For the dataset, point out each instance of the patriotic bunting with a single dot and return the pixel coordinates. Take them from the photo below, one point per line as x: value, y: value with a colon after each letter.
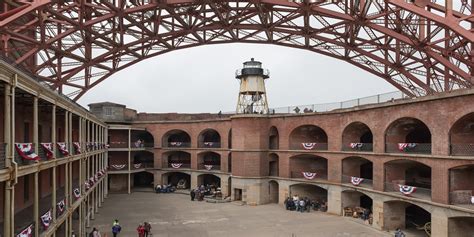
x: 28, y: 232
x: 356, y: 180
x: 63, y: 148
x: 87, y: 185
x: 208, y: 167
x: 77, y: 193
x: 46, y: 219
x: 137, y: 166
x: 208, y: 144
x: 407, y: 190
x: 308, y: 146
x: 25, y: 150
x: 406, y: 146
x: 61, y: 204
x: 309, y: 175
x: 356, y: 145
x: 48, y: 148
x: 176, y: 143
x: 176, y: 165
x: 118, y: 167
x: 77, y: 146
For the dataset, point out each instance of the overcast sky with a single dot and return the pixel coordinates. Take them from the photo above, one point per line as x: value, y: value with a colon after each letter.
x: 202, y: 79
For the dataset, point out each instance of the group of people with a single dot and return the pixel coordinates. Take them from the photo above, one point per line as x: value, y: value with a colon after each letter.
x: 305, y: 204
x: 143, y: 230
x: 205, y: 190
x: 164, y: 188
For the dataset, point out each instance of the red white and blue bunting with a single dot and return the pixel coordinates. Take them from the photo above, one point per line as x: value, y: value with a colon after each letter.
x: 87, y: 185
x: 406, y: 146
x: 46, y: 219
x: 118, y: 167
x: 137, y: 166
x: 308, y: 145
x: 63, y: 148
x: 48, y: 148
x: 208, y: 167
x: 356, y: 145
x: 176, y: 143
x: 28, y: 232
x: 77, y: 193
x: 61, y: 205
x: 309, y: 175
x: 208, y: 144
x: 176, y: 165
x: 406, y: 190
x: 77, y: 146
x: 25, y: 150
x: 356, y: 180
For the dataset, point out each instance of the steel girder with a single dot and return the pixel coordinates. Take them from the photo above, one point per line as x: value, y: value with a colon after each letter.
x: 421, y: 47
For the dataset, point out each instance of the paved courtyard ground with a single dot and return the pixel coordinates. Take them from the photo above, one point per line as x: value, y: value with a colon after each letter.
x: 175, y: 215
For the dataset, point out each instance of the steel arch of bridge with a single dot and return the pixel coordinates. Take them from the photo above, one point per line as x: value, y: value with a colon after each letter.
x: 419, y: 46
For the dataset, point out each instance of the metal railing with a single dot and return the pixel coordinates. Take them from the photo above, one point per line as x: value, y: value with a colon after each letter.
x: 214, y: 167
x: 366, y: 183
x: 462, y: 149
x: 421, y: 193
x: 461, y: 197
x: 358, y: 147
x: 321, y: 175
x: 209, y: 145
x: 118, y: 144
x: 3, y: 155
x: 316, y: 147
x: 325, y: 107
x: 183, y: 166
x: 420, y: 148
x: 178, y: 144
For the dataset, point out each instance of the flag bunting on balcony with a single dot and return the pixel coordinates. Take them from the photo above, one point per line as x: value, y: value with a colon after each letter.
x: 100, y: 174
x: 48, y: 148
x: 308, y: 145
x: 356, y: 180
x: 25, y: 150
x: 208, y: 144
x: 405, y: 146
x: 89, y: 146
x: 407, y: 190
x: 118, y: 167
x: 96, y: 178
x: 63, y: 148
x: 137, y: 166
x: 61, y: 204
x: 309, y: 175
x: 176, y: 165
x: 28, y: 232
x: 87, y: 185
x: 46, y: 219
x: 77, y: 193
x: 356, y: 145
x: 77, y: 146
x: 176, y: 143
x: 208, y: 167
x: 91, y: 181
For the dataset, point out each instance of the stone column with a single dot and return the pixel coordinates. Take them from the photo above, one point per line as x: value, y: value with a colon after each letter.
x: 378, y: 215
x: 334, y: 200
x: 36, y: 204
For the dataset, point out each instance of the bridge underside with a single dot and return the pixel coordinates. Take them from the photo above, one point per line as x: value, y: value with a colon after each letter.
x: 421, y: 47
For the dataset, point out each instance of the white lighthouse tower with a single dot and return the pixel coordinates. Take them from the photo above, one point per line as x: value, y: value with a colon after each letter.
x: 252, y: 95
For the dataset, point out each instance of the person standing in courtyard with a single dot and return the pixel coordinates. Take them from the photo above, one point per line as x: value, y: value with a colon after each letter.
x: 147, y: 229
x: 116, y: 228
x: 140, y: 230
x: 193, y: 195
x: 95, y: 233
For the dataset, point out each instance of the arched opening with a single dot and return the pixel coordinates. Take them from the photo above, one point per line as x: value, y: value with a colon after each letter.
x: 273, y: 191
x: 209, y: 138
x: 460, y: 226
x: 177, y: 179
x: 308, y: 167
x: 176, y: 160
x: 209, y: 179
x: 141, y: 139
x: 408, y: 135
x: 229, y: 163
x: 229, y: 139
x: 461, y: 136
x: 357, y: 205
x: 407, y: 177
x: 273, y: 141
x: 209, y: 161
x: 143, y: 159
x: 358, y: 171
x: 143, y: 180
x: 176, y: 138
x: 410, y: 217
x: 273, y: 164
x: 461, y: 187
x: 357, y: 137
x: 308, y: 137
x: 317, y: 195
